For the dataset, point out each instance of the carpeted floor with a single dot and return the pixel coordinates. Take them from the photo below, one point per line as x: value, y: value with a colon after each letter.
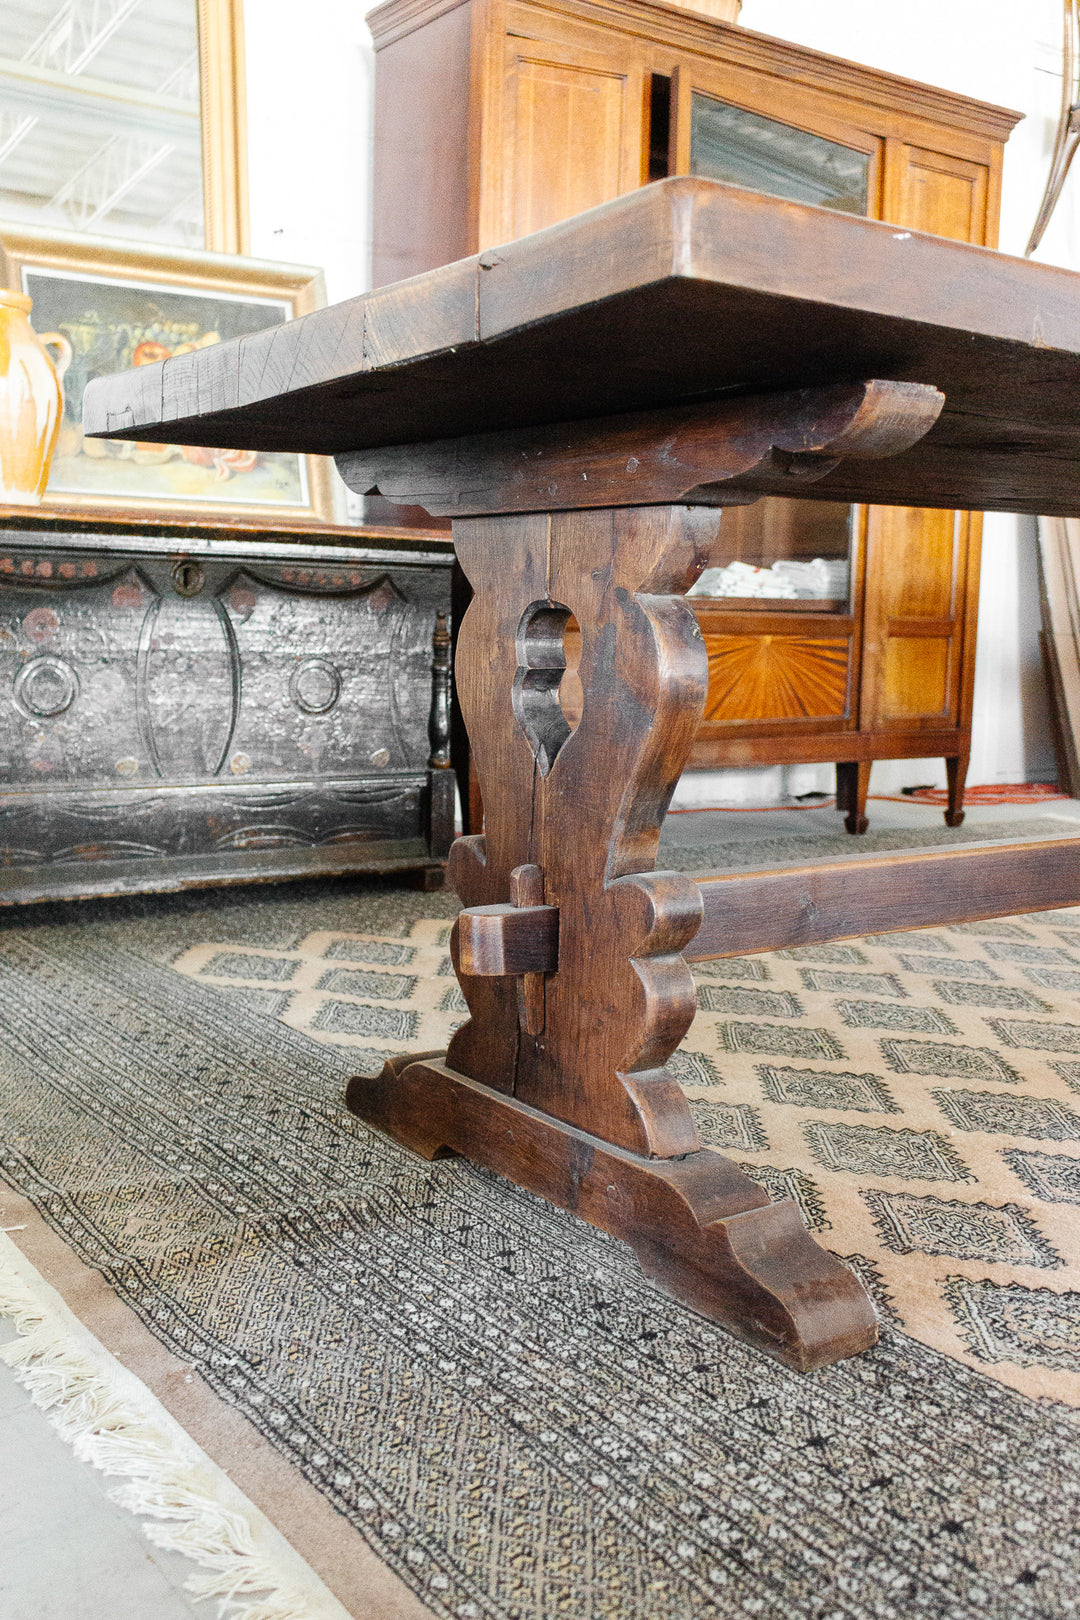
x: 484, y: 1387
x: 693, y: 842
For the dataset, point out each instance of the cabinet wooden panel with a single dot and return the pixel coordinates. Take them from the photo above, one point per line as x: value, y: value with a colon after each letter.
x: 939, y: 193
x: 573, y: 101
x: 918, y: 562
x: 766, y: 672
x: 915, y: 679
x: 922, y: 567
x: 568, y: 123
x: 423, y: 147
x: 914, y: 620
x: 785, y: 677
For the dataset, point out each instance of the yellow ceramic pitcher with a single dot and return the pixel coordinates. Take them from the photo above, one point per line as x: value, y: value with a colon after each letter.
x: 31, y: 401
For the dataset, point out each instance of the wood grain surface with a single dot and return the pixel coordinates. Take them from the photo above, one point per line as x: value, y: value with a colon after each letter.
x: 683, y: 290
x: 720, y: 454
x: 582, y: 806
x: 921, y: 888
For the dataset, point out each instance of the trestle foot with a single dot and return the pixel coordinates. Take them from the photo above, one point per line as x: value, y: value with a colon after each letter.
x: 703, y: 1231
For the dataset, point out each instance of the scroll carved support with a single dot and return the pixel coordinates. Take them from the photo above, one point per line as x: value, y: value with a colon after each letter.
x: 585, y: 808
x: 570, y: 949
x: 727, y: 452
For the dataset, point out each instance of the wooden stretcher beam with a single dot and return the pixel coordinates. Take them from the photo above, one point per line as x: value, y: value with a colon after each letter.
x: 745, y: 912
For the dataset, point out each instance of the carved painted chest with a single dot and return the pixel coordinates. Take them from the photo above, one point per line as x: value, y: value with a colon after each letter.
x: 197, y: 704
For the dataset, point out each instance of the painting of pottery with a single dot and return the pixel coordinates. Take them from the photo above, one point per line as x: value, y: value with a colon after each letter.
x: 30, y: 401
x: 112, y: 325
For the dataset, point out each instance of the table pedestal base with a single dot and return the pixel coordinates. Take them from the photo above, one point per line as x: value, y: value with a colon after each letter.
x: 702, y: 1230
x: 569, y: 949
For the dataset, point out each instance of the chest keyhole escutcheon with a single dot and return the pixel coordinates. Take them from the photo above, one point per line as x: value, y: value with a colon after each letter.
x: 545, y: 710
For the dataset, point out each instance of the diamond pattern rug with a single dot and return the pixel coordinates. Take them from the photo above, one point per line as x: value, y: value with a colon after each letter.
x: 911, y: 1092
x: 485, y: 1390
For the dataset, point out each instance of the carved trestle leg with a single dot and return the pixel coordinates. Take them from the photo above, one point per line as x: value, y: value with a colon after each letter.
x: 573, y: 972
x: 569, y: 948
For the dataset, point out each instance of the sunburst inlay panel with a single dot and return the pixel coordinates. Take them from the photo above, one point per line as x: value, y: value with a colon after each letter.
x: 776, y: 678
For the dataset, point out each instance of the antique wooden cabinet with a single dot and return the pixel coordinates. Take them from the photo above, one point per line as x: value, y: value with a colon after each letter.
x: 496, y: 117
x: 187, y: 704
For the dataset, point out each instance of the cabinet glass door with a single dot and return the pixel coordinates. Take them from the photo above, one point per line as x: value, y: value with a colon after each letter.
x: 779, y: 549
x: 746, y: 149
x: 784, y: 551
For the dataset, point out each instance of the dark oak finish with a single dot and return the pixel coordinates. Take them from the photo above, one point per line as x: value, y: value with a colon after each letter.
x: 700, y: 1228
x: 560, y: 1077
x: 622, y: 999
x: 745, y: 912
x: 527, y: 891
x: 723, y: 454
x: 595, y: 315
x: 507, y: 940
x: 577, y: 988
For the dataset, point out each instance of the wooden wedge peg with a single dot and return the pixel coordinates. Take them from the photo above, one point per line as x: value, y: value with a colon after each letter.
x: 520, y: 940
x: 527, y: 890
x: 502, y: 941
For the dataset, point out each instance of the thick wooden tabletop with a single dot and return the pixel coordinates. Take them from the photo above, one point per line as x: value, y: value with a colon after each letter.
x: 684, y: 290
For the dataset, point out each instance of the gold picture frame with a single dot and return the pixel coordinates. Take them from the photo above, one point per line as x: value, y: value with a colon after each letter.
x: 224, y: 124
x: 113, y: 304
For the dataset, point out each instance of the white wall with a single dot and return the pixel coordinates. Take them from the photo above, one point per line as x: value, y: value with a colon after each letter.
x: 310, y: 71
x: 309, y: 129
x: 310, y: 76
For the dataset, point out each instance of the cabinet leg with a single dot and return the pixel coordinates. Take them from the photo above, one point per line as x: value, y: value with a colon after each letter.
x: 843, y: 783
x: 852, y: 786
x: 956, y: 775
x: 569, y: 951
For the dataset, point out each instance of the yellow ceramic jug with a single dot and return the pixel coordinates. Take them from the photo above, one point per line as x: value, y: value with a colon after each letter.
x: 31, y: 401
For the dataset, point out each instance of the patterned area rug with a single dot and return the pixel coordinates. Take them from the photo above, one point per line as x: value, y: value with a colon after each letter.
x: 488, y: 1389
x: 915, y: 1093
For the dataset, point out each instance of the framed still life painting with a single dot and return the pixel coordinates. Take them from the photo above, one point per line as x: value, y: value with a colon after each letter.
x: 106, y: 306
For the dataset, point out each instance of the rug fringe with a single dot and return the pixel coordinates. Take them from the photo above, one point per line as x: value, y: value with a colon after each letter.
x: 167, y: 1483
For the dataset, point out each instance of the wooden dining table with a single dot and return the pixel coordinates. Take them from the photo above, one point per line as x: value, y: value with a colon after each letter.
x: 584, y: 403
